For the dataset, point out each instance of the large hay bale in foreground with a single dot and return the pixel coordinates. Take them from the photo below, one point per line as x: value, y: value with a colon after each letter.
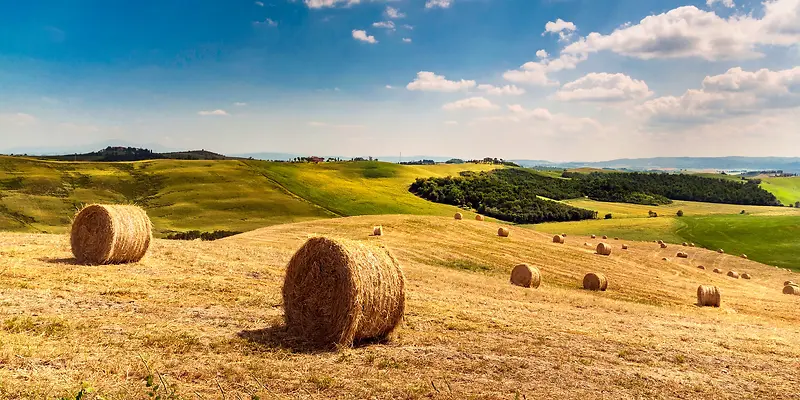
x: 595, y: 281
x: 479, y: 217
x: 377, y: 231
x: 708, y: 296
x: 503, y: 232
x: 791, y: 289
x: 110, y: 234
x: 682, y: 255
x: 733, y: 274
x: 603, y: 249
x: 558, y: 239
x: 746, y: 276
x: 458, y: 216
x: 339, y: 291
x: 526, y: 276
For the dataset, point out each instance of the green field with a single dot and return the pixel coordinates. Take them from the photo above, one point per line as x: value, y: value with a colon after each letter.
x: 787, y: 190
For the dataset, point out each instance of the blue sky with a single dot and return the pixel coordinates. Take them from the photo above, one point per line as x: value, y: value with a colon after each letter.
x: 539, y: 79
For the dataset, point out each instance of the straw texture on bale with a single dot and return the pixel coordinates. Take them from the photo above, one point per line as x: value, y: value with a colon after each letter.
x: 595, y: 281
x: 708, y: 296
x: 526, y: 276
x: 503, y: 232
x: 377, y: 231
x: 746, y: 276
x: 791, y: 289
x: 558, y: 239
x: 458, y: 216
x: 682, y: 255
x: 701, y: 267
x: 733, y: 274
x: 605, y: 237
x: 717, y: 270
x: 110, y: 234
x: 479, y: 217
x: 604, y: 249
x: 663, y: 245
x: 339, y: 291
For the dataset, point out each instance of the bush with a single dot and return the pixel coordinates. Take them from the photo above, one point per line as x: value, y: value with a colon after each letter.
x: 743, y: 212
x: 679, y: 213
x: 608, y: 216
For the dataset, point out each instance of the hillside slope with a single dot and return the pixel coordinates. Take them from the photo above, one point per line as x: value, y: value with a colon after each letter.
x: 208, y: 316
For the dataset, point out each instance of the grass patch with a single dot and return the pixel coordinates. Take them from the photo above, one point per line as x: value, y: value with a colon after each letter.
x: 466, y: 265
x: 36, y: 326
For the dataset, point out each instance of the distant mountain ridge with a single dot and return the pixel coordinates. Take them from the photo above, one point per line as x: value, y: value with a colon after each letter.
x: 695, y: 163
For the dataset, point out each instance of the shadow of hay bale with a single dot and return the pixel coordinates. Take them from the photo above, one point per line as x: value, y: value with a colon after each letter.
x: 279, y: 337
x: 65, y: 261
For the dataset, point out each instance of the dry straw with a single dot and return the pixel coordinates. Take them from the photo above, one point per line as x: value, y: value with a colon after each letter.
x: 791, y: 289
x: 746, y: 276
x: 595, y: 281
x: 339, y: 291
x: 479, y: 217
x: 458, y: 216
x: 603, y: 249
x: 526, y: 276
x: 733, y: 274
x: 377, y: 231
x: 682, y: 255
x: 503, y: 232
x: 558, y: 239
x: 110, y: 234
x: 708, y: 296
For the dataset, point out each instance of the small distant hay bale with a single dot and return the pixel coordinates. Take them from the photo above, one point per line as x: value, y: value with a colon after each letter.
x: 791, y: 289
x: 479, y: 217
x: 685, y: 244
x: 665, y: 259
x: 526, y: 276
x: 624, y: 247
x: 746, y: 276
x: 605, y: 237
x: 663, y: 245
x: 595, y: 281
x: 563, y: 235
x: 682, y: 255
x: 503, y: 232
x: 660, y: 241
x: 717, y: 271
x: 733, y: 274
x: 458, y: 216
x: 616, y: 238
x: 720, y: 251
x: 604, y: 249
x: 708, y: 296
x: 744, y: 256
x: 338, y: 291
x: 587, y: 244
x: 701, y: 267
x: 691, y: 244
x: 594, y: 236
x: 110, y: 234
x: 558, y: 239
x: 377, y: 231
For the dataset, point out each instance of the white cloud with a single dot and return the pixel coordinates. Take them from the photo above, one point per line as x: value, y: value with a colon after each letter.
x: 734, y: 93
x: 542, y: 54
x: 406, y: 40
x: 563, y: 28
x: 691, y: 32
x: 480, y: 103
x: 430, y: 82
x: 260, y: 4
x: 393, y: 13
x: 389, y: 87
x: 316, y: 124
x: 362, y: 36
x: 409, y: 27
x: 213, y: 113
x: 17, y: 119
x: 545, y: 121
x: 384, y: 24
x: 438, y: 3
x: 541, y: 114
x: 268, y: 22
x: 510, y: 90
x: 603, y: 87
x: 329, y: 3
x: 239, y: 104
x: 726, y: 3
x: 537, y: 72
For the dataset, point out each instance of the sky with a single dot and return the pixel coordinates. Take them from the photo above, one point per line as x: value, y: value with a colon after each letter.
x: 559, y: 80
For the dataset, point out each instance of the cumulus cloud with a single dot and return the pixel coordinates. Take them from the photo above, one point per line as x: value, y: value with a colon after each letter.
x: 213, y: 113
x: 562, y: 28
x: 510, y: 90
x: 362, y: 36
x: 544, y: 120
x: 429, y: 82
x: 735, y: 93
x: 726, y: 3
x: 541, y: 53
x: 537, y: 72
x: 479, y: 103
x: 438, y: 3
x: 603, y: 87
x: 393, y: 13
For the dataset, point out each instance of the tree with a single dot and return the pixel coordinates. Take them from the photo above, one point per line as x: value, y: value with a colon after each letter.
x: 679, y: 213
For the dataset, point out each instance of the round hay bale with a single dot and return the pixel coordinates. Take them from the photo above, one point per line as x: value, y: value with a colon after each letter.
x: 720, y: 251
x: 691, y: 244
x: 526, y: 276
x: 595, y: 281
x: 791, y: 289
x: 788, y: 283
x: 685, y: 244
x: 110, y: 234
x: 733, y: 274
x: 605, y: 237
x: 503, y: 232
x: 603, y: 249
x: 377, y: 231
x: 665, y: 259
x: 744, y: 256
x: 624, y: 247
x: 594, y: 236
x: 479, y: 217
x: 563, y: 235
x: 340, y: 291
x: 458, y: 216
x: 682, y: 255
x: 616, y: 238
x: 558, y: 239
x: 587, y: 244
x: 717, y: 270
x: 708, y: 296
x: 660, y: 241
x: 701, y: 267
x: 663, y: 245
x: 746, y: 276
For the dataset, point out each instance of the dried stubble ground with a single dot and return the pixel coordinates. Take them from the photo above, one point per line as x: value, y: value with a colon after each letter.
x: 207, y: 315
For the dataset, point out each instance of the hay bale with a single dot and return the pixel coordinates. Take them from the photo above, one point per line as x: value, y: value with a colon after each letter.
x: 624, y: 247
x: 708, y: 296
x: 110, y: 234
x: 340, y: 291
x: 733, y: 274
x: 558, y: 239
x: 717, y: 270
x: 603, y: 249
x: 685, y: 244
x: 663, y: 245
x: 788, y: 283
x: 595, y: 281
x: 605, y: 237
x: 377, y: 231
x: 526, y: 276
x: 479, y: 217
x: 587, y: 244
x: 563, y: 235
x: 616, y: 238
x: 594, y: 236
x: 746, y: 276
x: 682, y: 255
x: 458, y: 216
x: 503, y: 232
x: 691, y: 244
x: 744, y: 256
x: 701, y: 267
x: 720, y: 251
x: 660, y: 241
x: 665, y: 259
x: 791, y: 289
